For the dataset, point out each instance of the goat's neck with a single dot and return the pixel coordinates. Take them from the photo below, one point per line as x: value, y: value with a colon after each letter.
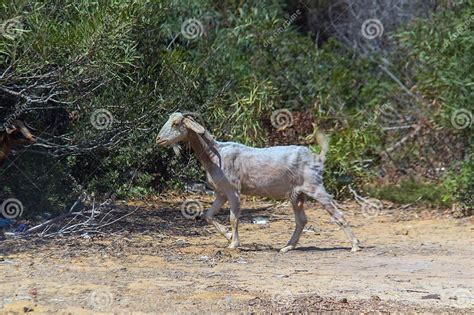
x: 205, y: 148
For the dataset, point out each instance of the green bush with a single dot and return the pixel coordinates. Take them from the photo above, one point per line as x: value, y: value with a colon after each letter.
x: 130, y: 58
x: 460, y: 184
x: 413, y: 191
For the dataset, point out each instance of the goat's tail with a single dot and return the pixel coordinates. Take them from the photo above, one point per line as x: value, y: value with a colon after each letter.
x: 321, y: 139
x: 323, y: 142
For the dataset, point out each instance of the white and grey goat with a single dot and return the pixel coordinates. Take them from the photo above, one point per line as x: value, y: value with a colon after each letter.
x: 232, y: 169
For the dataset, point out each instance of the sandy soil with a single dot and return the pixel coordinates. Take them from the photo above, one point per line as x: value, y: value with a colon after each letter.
x: 157, y: 261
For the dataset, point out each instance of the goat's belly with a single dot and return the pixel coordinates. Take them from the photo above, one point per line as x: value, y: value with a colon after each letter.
x: 281, y: 187
x: 267, y: 192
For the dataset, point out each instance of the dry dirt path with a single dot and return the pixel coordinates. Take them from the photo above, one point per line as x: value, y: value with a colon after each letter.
x: 160, y: 262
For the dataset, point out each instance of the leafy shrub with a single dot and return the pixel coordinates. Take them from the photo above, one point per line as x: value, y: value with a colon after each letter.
x: 130, y: 58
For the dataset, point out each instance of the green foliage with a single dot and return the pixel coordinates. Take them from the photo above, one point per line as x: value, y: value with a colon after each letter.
x: 459, y: 184
x: 130, y: 58
x: 441, y: 53
x: 413, y: 190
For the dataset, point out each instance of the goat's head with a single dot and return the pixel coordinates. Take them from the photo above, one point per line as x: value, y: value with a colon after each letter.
x: 19, y: 134
x: 177, y: 128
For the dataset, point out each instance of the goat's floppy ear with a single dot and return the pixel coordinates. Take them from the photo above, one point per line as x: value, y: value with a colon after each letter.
x: 194, y: 126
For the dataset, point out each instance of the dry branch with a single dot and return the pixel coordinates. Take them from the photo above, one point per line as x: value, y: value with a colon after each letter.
x: 53, y: 220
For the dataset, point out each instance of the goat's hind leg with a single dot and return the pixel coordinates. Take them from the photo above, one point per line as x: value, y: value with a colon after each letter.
x: 326, y: 200
x: 209, y: 216
x: 297, y: 202
x: 234, y: 201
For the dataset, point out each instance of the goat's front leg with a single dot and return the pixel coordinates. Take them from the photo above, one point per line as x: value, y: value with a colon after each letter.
x: 234, y: 201
x: 209, y: 216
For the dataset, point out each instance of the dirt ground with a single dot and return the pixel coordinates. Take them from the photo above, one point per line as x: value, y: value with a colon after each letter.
x: 157, y: 261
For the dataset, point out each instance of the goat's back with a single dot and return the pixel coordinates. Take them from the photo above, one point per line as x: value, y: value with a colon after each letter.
x: 274, y: 171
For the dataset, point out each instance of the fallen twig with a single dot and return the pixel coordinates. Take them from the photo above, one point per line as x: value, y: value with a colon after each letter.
x: 122, y: 217
x: 53, y: 220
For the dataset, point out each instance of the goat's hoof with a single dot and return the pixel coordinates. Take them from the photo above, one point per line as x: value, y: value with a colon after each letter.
x: 287, y: 248
x: 228, y: 236
x: 234, y: 245
x: 355, y: 248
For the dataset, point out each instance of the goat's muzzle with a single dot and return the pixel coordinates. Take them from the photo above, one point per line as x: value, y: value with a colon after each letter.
x: 160, y: 141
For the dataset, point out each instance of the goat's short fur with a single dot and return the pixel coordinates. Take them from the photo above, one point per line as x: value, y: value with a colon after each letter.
x: 292, y: 172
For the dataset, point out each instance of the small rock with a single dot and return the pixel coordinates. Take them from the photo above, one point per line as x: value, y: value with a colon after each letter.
x: 375, y: 298
x: 181, y: 242
x: 311, y: 229
x: 33, y: 292
x: 344, y: 300
x: 241, y: 261
x: 27, y: 309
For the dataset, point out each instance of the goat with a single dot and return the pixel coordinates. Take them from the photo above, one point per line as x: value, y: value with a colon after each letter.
x: 16, y: 133
x: 232, y: 169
